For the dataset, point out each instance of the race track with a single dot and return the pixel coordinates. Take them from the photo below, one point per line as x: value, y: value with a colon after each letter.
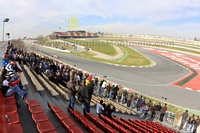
x: 153, y: 81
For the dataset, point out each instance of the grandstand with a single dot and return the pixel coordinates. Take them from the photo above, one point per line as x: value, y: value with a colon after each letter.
x: 46, y: 110
x: 73, y: 34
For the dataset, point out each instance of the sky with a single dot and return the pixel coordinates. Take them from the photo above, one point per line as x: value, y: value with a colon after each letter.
x: 170, y: 18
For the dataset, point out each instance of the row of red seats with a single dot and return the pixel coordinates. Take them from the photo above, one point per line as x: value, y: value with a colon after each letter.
x: 143, y: 126
x: 117, y: 126
x: 101, y: 124
x: 158, y: 126
x: 40, y: 118
x: 85, y: 122
x: 9, y: 121
x: 64, y: 119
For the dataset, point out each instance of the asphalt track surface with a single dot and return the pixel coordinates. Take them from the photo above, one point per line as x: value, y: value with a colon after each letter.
x: 153, y: 81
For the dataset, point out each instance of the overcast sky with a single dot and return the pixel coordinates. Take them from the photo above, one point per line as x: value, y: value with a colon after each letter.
x: 173, y: 18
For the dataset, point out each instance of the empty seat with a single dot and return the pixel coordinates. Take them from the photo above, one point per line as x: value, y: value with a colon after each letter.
x: 83, y: 120
x: 12, y: 118
x: 123, y: 130
x: 87, y: 115
x: 115, y: 131
x: 77, y: 115
x: 93, y: 118
x: 90, y: 126
x: 12, y: 128
x: 56, y: 109
x: 108, y: 120
x: 52, y: 132
x: 75, y: 129
x: 8, y: 101
x: 116, y: 126
x: 123, y: 119
x: 96, y: 130
x: 9, y: 109
x: 70, y: 111
x: 36, y: 109
x: 68, y: 123
x: 45, y: 126
x: 107, y: 128
x: 32, y: 102
x: 61, y: 115
x: 39, y: 117
x: 100, y: 124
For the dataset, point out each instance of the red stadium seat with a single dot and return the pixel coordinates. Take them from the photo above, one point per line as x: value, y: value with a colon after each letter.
x: 32, y: 102
x: 83, y: 121
x: 94, y: 118
x: 45, y: 126
x: 12, y: 118
x: 101, y: 124
x: 39, y: 117
x: 88, y: 115
x: 68, y: 123
x: 107, y: 128
x: 89, y: 125
x: 123, y: 119
x: 52, y: 132
x: 75, y: 129
x: 123, y: 130
x: 56, y: 109
x: 8, y: 101
x: 9, y: 109
x: 115, y: 131
x: 13, y: 128
x: 77, y: 114
x: 36, y: 109
x: 61, y: 115
x: 116, y: 126
x: 71, y: 111
x: 109, y: 121
x: 96, y: 130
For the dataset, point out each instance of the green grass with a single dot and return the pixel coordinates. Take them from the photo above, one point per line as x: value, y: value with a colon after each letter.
x: 132, y: 59
x: 98, y: 46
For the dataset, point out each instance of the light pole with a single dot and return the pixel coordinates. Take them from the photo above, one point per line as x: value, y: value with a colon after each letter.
x: 5, y: 20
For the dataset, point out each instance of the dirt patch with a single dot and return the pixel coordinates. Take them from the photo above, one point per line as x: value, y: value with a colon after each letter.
x: 120, y: 53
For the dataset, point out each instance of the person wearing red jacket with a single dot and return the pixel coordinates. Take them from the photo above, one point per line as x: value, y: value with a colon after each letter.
x: 9, y: 88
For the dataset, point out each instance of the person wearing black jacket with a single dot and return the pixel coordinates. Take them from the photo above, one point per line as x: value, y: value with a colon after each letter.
x: 109, y: 109
x: 85, y: 92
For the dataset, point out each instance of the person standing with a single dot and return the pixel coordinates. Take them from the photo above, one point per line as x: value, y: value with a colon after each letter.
x: 86, y: 93
x: 177, y: 117
x: 157, y: 110
x: 191, y: 120
x: 152, y: 109
x: 138, y: 103
x: 129, y: 98
x: 115, y: 91
x: 71, y: 91
x: 163, y: 111
x: 196, y: 125
x: 183, y: 120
